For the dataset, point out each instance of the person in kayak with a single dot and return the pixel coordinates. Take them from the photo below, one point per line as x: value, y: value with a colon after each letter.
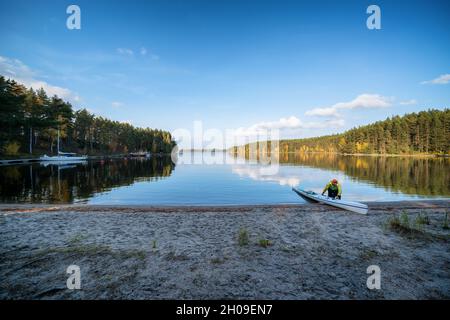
x: 334, y: 189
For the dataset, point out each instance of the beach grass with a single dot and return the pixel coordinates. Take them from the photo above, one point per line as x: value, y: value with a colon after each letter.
x: 422, y: 219
x: 402, y: 224
x: 243, y: 237
x: 445, y: 223
x: 265, y: 243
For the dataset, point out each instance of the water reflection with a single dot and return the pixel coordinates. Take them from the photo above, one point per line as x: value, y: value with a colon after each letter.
x: 282, y: 177
x: 425, y: 176
x: 63, y: 164
x: 206, y: 178
x: 53, y: 182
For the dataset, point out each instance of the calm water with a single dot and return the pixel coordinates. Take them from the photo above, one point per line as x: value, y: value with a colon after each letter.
x: 204, y: 178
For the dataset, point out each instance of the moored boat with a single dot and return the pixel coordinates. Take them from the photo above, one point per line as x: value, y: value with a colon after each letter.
x: 63, y: 157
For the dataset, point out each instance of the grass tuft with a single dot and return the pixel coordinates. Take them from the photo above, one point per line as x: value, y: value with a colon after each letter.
x: 265, y: 243
x: 401, y: 224
x: 422, y: 219
x: 445, y: 224
x: 77, y: 239
x: 404, y: 219
x: 243, y: 238
x: 368, y: 254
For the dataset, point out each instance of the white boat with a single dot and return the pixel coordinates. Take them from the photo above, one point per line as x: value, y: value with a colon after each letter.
x: 311, y: 196
x: 63, y: 156
x: 65, y: 164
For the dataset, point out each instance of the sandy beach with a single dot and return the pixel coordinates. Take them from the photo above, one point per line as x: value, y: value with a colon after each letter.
x: 257, y: 252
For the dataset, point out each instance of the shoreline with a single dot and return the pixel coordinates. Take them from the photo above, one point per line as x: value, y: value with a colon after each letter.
x: 245, y: 252
x: 34, y: 158
x: 413, y: 202
x: 417, y: 155
x: 10, y: 208
x: 406, y: 204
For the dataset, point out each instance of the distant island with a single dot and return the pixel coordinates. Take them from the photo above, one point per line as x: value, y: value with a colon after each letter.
x: 423, y: 133
x: 30, y: 120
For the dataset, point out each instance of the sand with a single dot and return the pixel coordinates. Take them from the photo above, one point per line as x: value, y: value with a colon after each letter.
x: 312, y: 252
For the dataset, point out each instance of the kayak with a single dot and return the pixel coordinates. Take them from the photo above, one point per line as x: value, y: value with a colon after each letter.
x: 311, y: 196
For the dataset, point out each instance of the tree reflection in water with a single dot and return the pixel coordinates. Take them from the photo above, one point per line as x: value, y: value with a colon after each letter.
x: 59, y: 183
x: 66, y: 183
x: 425, y: 176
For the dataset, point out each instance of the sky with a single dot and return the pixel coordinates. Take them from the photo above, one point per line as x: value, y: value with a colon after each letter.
x: 305, y: 68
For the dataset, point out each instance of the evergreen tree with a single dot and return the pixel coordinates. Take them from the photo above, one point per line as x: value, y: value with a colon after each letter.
x: 424, y: 132
x: 31, y: 120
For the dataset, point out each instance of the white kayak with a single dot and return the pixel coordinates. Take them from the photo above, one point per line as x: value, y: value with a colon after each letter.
x: 311, y: 196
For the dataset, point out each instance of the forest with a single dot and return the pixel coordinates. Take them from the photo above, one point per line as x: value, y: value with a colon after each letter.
x: 30, y: 121
x: 425, y: 132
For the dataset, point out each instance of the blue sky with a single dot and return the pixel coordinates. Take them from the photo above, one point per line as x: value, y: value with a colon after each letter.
x: 234, y: 64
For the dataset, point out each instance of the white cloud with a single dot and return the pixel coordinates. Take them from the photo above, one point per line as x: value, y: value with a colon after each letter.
x: 367, y: 101
x: 125, y: 51
x: 51, y: 90
x: 116, y: 104
x: 408, y: 102
x: 143, y: 52
x: 18, y: 71
x: 442, y: 79
x: 323, y: 112
x: 291, y: 123
x: 283, y: 123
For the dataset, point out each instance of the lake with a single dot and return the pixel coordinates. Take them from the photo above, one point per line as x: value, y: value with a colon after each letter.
x: 205, y: 178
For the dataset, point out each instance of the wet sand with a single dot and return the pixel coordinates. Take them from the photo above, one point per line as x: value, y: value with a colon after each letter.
x: 312, y: 252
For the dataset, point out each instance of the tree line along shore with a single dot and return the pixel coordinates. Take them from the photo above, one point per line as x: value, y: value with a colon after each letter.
x: 423, y: 133
x: 30, y: 121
